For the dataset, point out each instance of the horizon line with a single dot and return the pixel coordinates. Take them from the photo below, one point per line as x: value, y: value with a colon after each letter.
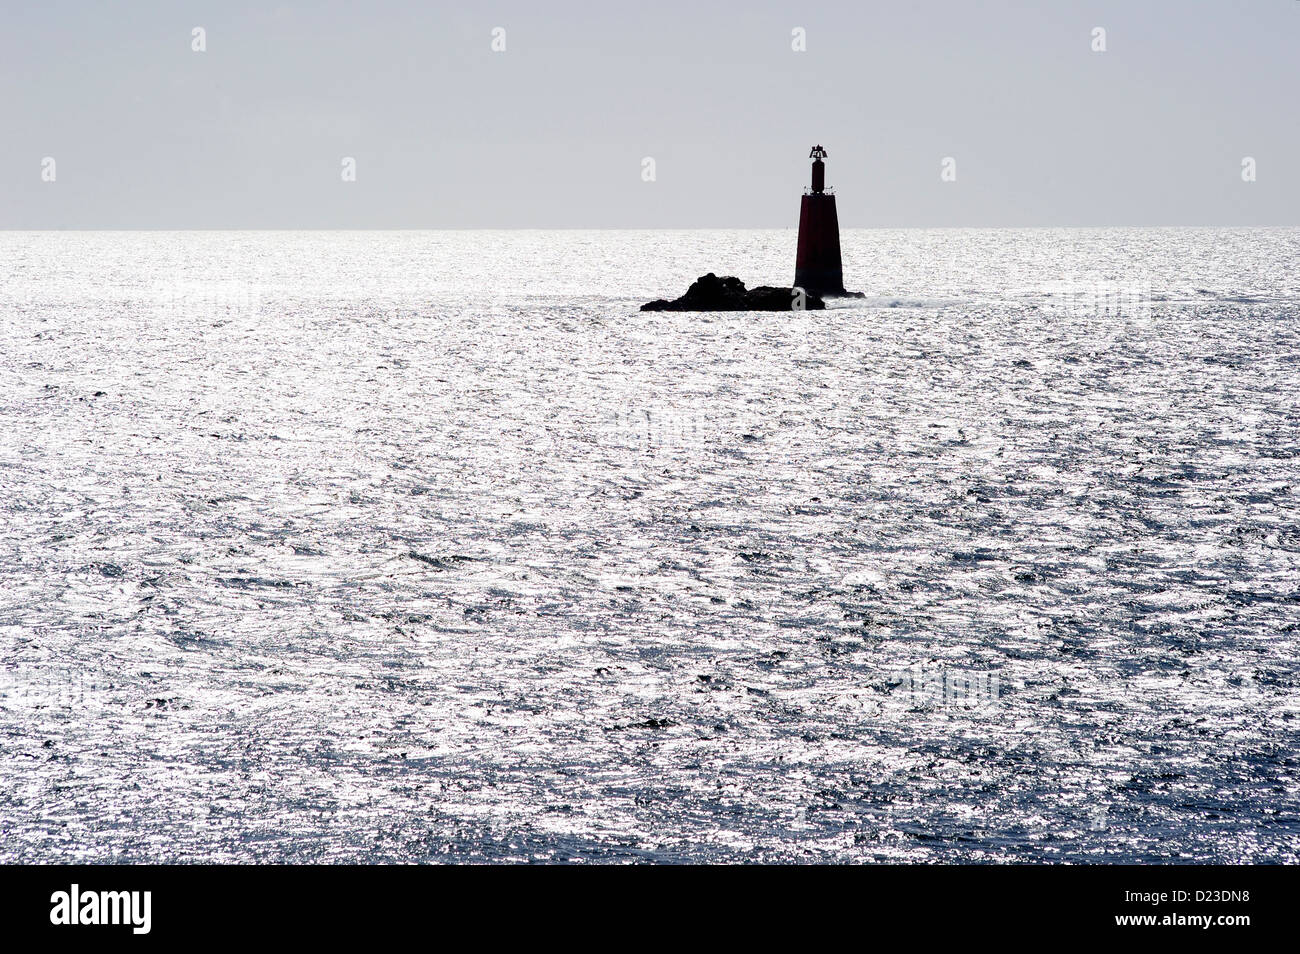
x: 626, y: 228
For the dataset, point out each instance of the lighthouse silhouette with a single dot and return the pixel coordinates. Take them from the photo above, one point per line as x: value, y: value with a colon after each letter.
x: 817, y: 267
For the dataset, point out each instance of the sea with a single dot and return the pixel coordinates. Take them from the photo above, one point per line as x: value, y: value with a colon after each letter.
x: 428, y: 546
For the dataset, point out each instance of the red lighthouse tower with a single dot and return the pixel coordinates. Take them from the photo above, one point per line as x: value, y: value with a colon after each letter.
x: 817, y: 267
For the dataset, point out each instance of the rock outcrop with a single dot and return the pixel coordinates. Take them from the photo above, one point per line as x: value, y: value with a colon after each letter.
x: 711, y: 293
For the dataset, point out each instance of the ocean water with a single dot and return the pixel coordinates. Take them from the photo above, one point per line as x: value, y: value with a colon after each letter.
x: 428, y: 546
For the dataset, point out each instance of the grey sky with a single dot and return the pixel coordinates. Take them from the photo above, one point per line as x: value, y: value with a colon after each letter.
x: 147, y: 133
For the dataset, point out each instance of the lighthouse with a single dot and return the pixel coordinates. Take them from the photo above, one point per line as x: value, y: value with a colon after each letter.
x: 817, y: 267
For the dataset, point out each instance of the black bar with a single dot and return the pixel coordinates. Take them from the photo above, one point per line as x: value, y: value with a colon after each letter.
x: 306, y: 904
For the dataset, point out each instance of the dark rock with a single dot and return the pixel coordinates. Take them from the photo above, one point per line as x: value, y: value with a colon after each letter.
x: 440, y: 563
x: 711, y: 293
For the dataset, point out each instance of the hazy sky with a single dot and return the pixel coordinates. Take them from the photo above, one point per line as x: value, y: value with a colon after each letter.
x: 147, y: 133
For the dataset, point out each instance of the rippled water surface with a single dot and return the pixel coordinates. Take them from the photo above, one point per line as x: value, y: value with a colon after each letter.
x: 429, y: 546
